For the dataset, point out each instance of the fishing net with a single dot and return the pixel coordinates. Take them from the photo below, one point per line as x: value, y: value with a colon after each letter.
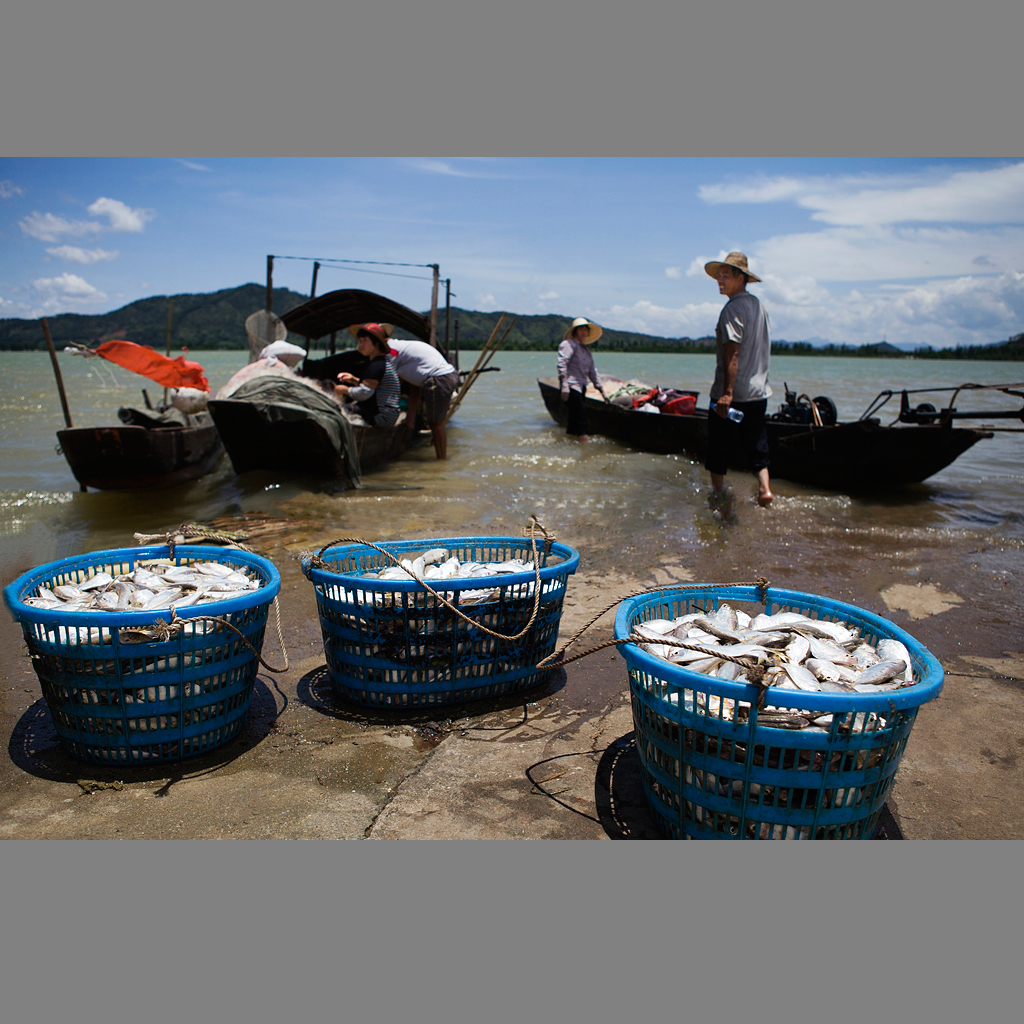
x: 263, y: 328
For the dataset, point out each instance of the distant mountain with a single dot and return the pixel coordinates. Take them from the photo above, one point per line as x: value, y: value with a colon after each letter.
x: 216, y: 320
x: 205, y: 321
x: 544, y: 333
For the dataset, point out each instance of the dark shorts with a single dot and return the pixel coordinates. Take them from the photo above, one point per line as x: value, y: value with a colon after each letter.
x: 577, y: 415
x: 437, y: 396
x: 738, y: 443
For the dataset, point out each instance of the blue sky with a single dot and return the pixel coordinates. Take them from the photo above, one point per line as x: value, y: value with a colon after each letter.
x: 851, y: 251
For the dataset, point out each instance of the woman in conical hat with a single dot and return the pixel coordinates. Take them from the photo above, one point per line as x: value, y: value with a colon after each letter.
x: 575, y: 368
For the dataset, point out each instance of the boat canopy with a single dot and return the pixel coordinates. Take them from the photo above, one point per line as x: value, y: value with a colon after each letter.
x: 336, y: 311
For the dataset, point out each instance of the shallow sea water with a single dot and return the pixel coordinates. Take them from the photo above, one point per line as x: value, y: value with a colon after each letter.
x: 507, y: 459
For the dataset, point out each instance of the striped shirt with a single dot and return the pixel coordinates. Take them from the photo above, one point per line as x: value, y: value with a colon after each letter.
x: 381, y: 408
x: 576, y: 367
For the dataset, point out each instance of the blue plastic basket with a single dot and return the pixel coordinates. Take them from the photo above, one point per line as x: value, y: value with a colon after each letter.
x: 710, y: 774
x: 390, y: 643
x: 128, y: 704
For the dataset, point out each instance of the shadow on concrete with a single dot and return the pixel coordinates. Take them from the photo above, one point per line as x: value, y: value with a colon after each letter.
x: 315, y: 691
x: 35, y: 748
x: 619, y: 793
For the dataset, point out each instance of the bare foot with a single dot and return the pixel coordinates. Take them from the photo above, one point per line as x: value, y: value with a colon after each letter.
x: 765, y: 499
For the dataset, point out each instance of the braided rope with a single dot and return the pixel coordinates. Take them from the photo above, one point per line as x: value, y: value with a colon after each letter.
x: 549, y: 662
x: 160, y: 632
x: 316, y: 562
x: 194, y: 531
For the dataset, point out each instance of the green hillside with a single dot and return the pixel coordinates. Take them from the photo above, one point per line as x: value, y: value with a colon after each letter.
x: 543, y: 333
x: 210, y: 321
x: 216, y: 320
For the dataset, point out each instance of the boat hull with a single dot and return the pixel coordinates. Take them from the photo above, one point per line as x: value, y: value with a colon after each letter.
x: 132, y: 457
x: 860, y: 455
x: 297, y: 445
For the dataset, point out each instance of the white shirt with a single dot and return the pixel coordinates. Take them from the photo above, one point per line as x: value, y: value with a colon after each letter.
x: 417, y: 361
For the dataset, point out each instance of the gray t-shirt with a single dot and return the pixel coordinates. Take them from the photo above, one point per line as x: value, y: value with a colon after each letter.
x: 744, y: 321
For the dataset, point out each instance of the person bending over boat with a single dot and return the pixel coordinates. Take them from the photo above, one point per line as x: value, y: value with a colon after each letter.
x: 575, y: 368
x: 376, y: 395
x: 432, y: 381
x: 743, y: 349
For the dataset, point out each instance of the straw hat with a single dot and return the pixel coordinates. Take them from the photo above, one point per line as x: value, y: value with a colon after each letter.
x: 380, y: 333
x: 581, y: 321
x: 734, y: 259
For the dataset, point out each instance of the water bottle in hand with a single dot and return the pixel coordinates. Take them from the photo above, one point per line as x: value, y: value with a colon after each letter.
x: 734, y: 414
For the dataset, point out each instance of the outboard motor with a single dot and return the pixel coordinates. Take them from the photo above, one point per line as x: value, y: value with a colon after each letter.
x: 801, y: 409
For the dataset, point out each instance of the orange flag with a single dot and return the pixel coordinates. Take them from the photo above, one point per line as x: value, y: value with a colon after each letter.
x: 172, y: 373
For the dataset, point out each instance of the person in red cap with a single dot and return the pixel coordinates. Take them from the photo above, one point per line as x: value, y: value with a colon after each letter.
x: 377, y: 393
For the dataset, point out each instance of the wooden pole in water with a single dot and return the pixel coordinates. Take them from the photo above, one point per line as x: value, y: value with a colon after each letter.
x: 56, y: 372
x: 455, y: 339
x: 170, y: 313
x: 474, y: 373
x: 433, y: 306
x: 447, y: 313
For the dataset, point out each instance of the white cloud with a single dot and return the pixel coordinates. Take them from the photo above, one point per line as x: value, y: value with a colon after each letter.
x: 121, y: 216
x: 442, y: 167
x: 69, y: 286
x: 966, y: 311
x: 193, y: 166
x: 991, y: 196
x: 86, y: 256
x: 485, y: 300
x: 49, y: 228
x: 548, y: 295
x: 892, y: 253
x: 674, y: 273
x: 8, y: 190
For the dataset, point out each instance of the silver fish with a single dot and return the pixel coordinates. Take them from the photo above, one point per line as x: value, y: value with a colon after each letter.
x: 882, y: 673
x: 893, y: 650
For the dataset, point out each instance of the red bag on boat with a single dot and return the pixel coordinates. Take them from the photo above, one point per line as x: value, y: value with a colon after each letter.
x: 143, y: 360
x: 685, y: 405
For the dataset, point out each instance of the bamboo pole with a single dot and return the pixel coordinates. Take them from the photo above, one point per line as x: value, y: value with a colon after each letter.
x: 486, y: 353
x: 270, y: 284
x: 170, y: 313
x: 56, y: 372
x: 312, y: 287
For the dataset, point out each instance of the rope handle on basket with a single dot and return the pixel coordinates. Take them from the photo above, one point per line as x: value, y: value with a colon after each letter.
x: 755, y: 673
x: 192, y: 531
x: 316, y: 562
x: 160, y: 632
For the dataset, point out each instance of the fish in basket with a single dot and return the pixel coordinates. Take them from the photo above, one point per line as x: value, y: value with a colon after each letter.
x: 470, y: 619
x: 144, y: 654
x: 787, y: 721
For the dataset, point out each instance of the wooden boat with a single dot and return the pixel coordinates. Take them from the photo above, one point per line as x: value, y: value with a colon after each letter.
x: 861, y: 454
x: 126, y: 457
x: 298, y: 445
x: 290, y: 442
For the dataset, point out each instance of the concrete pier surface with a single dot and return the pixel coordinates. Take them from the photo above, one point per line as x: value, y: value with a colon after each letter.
x: 554, y: 763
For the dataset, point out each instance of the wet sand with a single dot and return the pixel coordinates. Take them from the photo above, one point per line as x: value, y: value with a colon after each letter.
x: 557, y: 763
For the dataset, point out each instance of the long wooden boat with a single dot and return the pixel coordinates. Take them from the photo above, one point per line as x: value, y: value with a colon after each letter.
x: 860, y: 454
x: 127, y: 457
x: 290, y: 442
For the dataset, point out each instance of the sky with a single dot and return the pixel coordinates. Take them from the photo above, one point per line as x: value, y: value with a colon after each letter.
x: 914, y: 252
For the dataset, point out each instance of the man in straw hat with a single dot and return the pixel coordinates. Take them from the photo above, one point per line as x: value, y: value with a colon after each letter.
x: 743, y: 350
x: 575, y: 368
